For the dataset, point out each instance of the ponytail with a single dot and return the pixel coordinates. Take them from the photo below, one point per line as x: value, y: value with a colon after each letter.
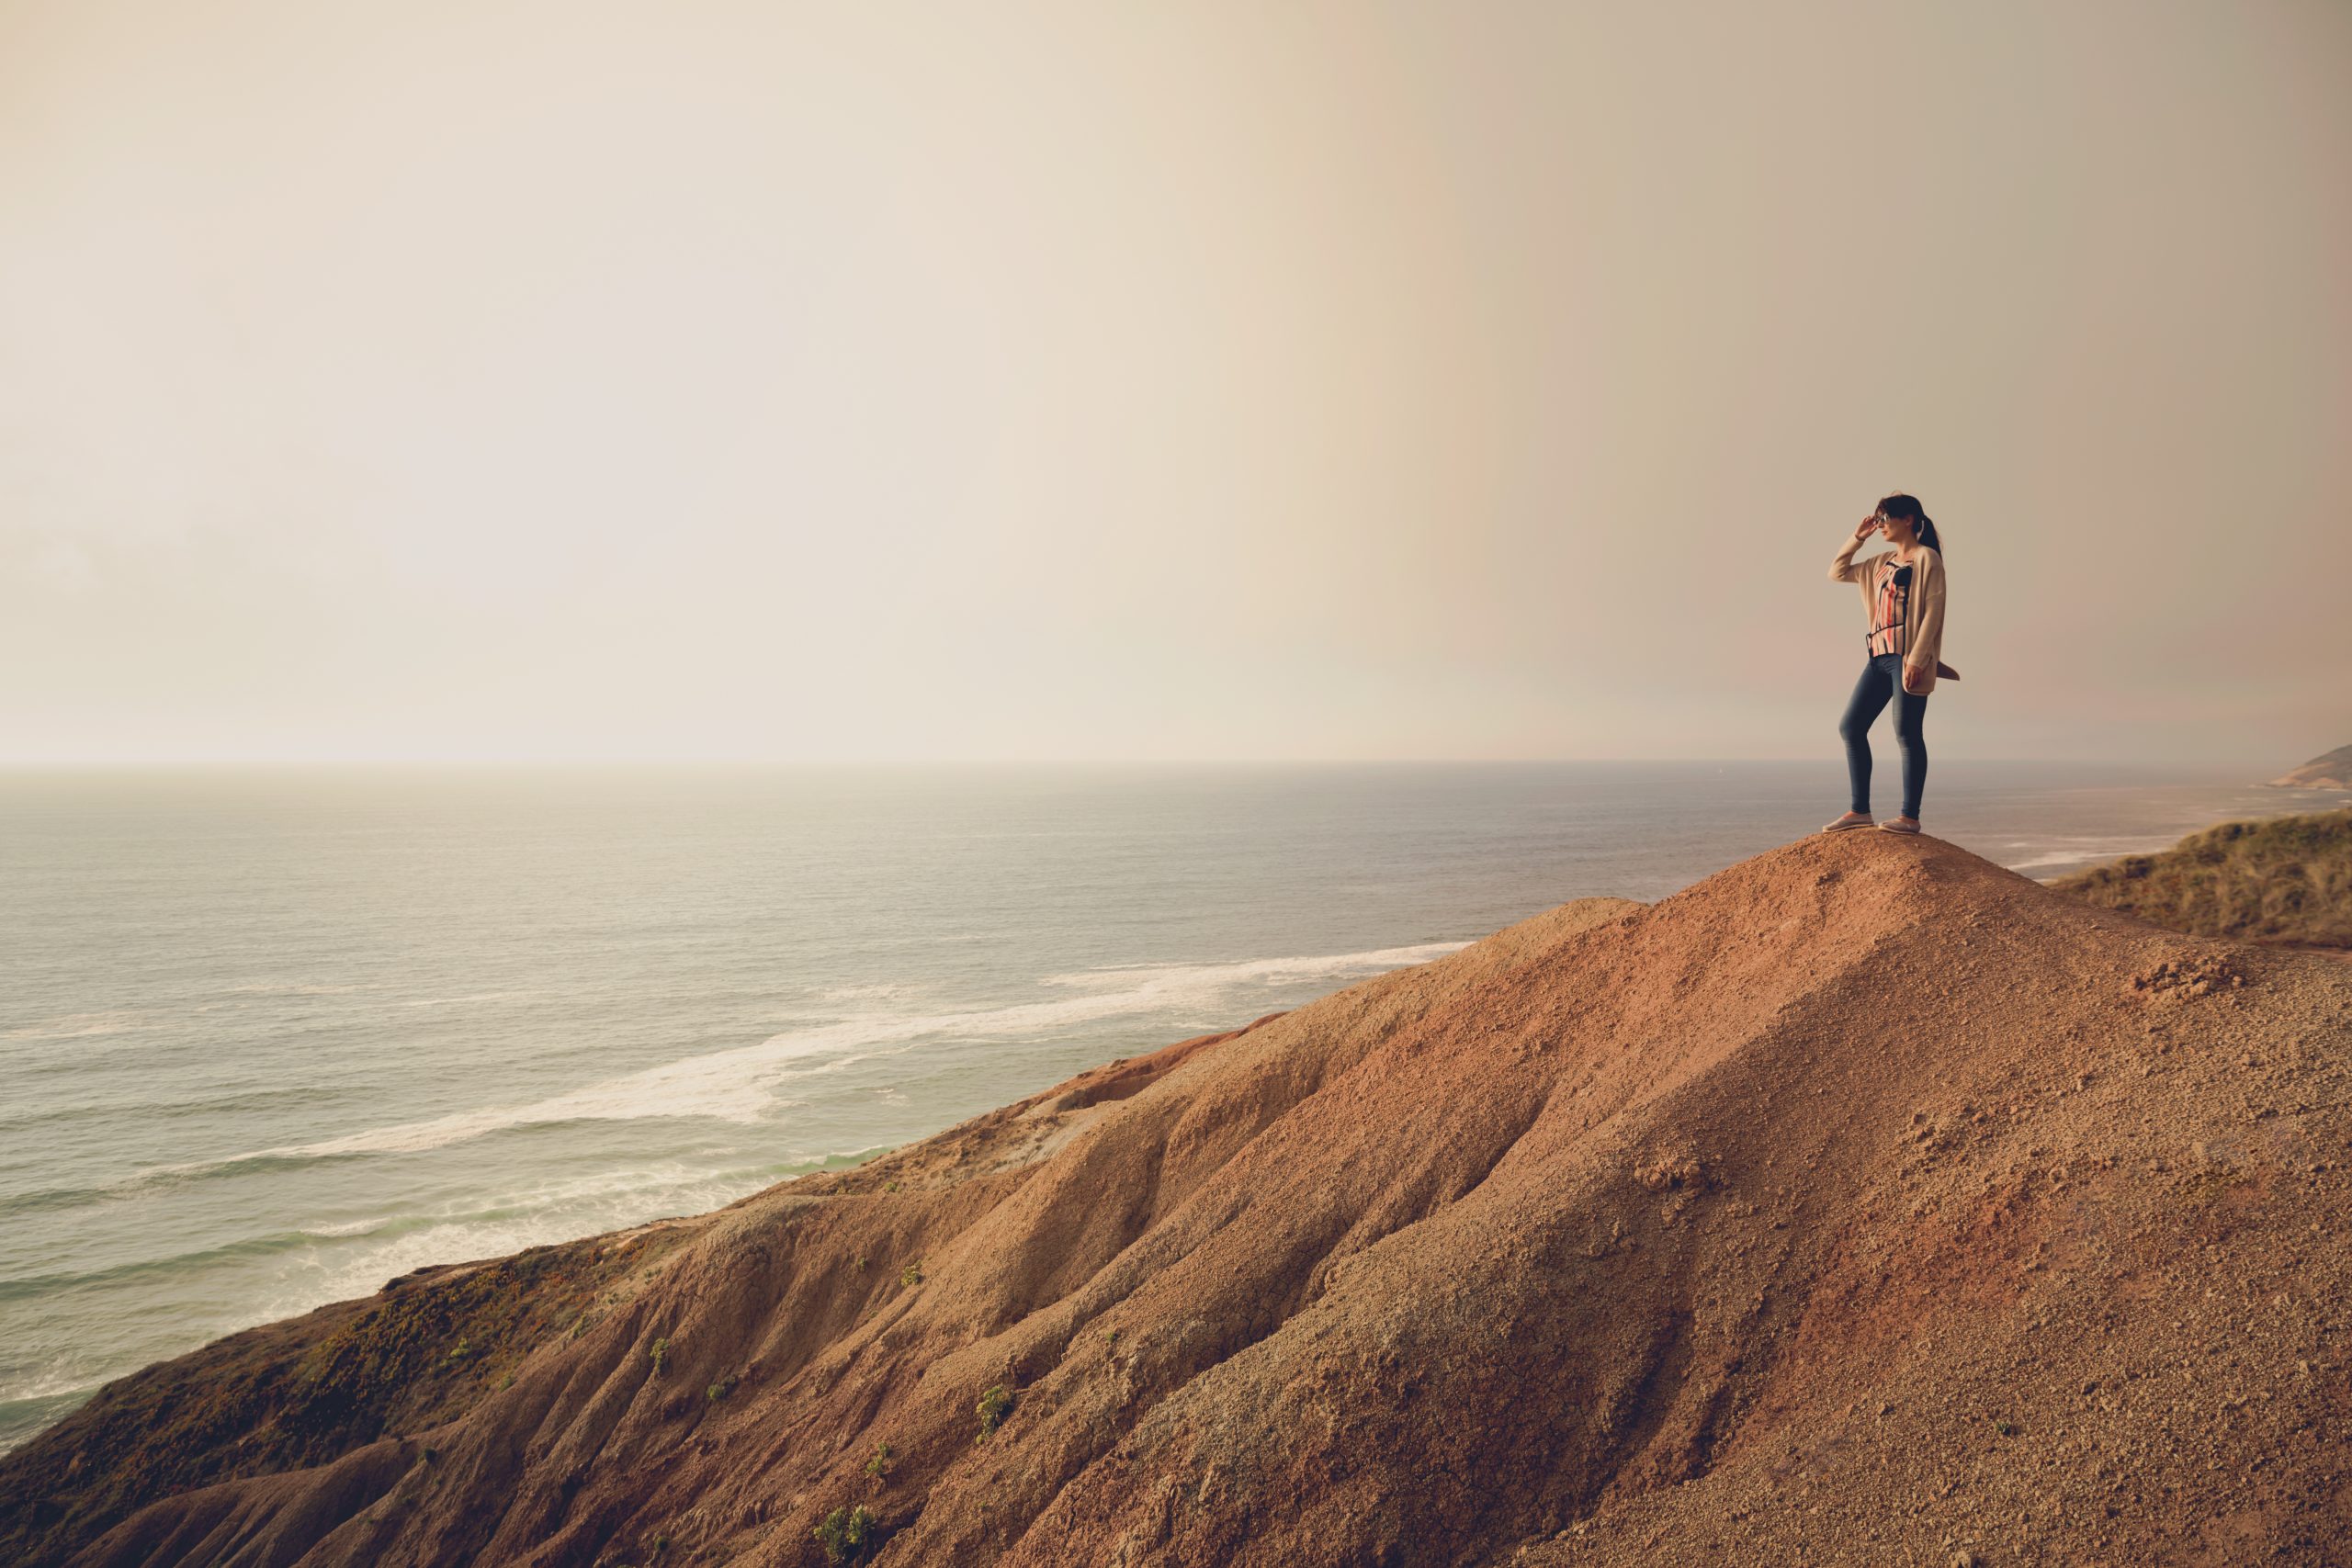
x: 1909, y: 508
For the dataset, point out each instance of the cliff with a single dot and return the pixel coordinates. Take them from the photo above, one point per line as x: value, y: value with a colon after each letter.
x: 2332, y: 771
x: 1865, y: 1202
x: 2281, y: 879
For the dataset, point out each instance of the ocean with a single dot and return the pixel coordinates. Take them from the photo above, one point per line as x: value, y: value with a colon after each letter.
x: 269, y: 1038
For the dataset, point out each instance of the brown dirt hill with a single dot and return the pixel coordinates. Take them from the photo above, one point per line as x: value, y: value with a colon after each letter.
x: 1864, y: 1203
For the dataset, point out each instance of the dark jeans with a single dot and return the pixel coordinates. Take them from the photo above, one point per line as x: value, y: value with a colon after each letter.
x: 1882, y: 679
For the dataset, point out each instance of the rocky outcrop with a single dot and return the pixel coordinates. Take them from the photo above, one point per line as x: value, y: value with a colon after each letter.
x: 1866, y: 1202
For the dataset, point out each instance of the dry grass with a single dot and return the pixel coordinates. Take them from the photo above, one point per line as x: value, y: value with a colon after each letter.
x: 2285, y: 880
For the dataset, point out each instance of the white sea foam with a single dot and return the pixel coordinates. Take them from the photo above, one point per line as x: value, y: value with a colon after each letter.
x: 351, y: 1228
x: 69, y: 1375
x: 346, y: 1262
x: 735, y: 1085
x: 554, y: 1212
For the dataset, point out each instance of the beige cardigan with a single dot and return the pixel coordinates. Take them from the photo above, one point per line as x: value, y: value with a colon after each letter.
x: 1923, y: 615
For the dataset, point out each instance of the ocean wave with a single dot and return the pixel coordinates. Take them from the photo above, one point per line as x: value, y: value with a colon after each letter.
x: 144, y: 1182
x: 736, y: 1085
x: 2090, y: 848
x: 22, y: 1416
x: 33, y: 1286
x: 740, y: 1084
x: 311, y: 1276
x: 78, y: 1026
x: 357, y: 1255
x: 288, y: 1273
x: 160, y: 1108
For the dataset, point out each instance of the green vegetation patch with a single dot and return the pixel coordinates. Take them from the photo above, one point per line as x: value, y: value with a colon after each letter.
x: 849, y: 1534
x: 994, y: 1406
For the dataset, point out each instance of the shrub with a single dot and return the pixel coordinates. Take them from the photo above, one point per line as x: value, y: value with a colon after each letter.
x: 848, y: 1534
x: 994, y: 1406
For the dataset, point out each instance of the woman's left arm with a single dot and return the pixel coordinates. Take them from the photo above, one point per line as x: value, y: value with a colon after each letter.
x: 1920, y: 660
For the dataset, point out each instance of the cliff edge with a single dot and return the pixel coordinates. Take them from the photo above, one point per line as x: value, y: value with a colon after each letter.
x: 1865, y: 1202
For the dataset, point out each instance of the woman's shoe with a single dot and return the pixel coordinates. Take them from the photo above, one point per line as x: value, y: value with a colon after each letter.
x: 1899, y: 825
x: 1848, y: 820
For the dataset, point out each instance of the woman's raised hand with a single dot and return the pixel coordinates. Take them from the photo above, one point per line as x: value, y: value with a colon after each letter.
x: 1868, y: 526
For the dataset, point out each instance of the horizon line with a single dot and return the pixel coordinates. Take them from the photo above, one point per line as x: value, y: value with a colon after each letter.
x: 487, y: 762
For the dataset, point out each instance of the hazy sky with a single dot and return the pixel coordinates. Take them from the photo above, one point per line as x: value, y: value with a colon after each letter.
x: 1165, y: 379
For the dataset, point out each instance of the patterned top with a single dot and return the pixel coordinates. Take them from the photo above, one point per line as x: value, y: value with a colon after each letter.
x: 1913, y: 620
x: 1889, y: 597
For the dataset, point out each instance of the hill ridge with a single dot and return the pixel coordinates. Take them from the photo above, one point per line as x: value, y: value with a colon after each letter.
x: 1605, y: 1238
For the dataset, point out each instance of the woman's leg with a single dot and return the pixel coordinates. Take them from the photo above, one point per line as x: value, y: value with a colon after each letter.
x: 1910, y: 714
x: 1862, y: 710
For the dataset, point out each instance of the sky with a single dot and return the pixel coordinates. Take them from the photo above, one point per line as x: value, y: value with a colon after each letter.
x: 876, y: 381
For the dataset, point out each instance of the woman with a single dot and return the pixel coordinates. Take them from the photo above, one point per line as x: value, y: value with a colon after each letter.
x: 1903, y: 594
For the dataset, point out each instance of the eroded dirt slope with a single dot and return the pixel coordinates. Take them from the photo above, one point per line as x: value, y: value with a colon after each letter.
x: 1865, y: 1202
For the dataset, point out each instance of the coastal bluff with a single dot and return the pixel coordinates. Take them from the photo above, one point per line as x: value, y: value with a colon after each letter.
x: 2330, y: 770
x: 1865, y: 1202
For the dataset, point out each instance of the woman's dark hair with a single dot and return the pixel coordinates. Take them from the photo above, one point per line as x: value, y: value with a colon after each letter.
x: 1908, y: 507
